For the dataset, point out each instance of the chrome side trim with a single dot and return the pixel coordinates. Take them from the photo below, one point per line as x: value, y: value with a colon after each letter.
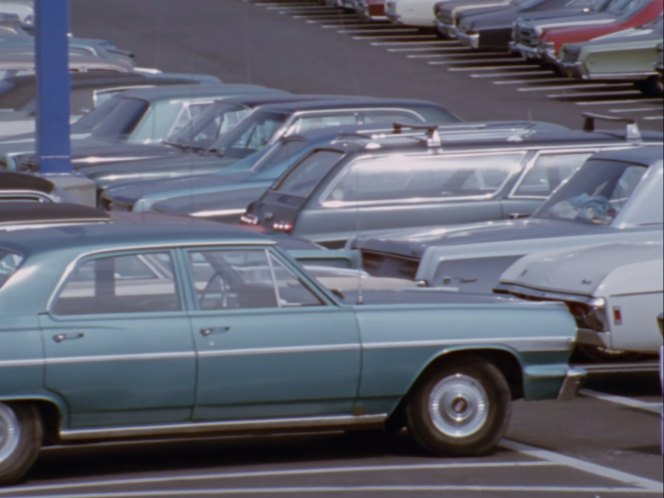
x: 233, y: 426
x: 522, y: 344
x: 120, y: 357
x: 280, y: 350
x: 21, y: 363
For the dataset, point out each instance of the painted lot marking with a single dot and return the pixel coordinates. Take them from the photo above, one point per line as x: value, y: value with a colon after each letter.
x: 355, y: 490
x: 623, y: 401
x: 340, y: 25
x: 374, y: 31
x: 592, y: 94
x: 653, y: 118
x: 636, y: 109
x: 402, y: 38
x: 630, y: 483
x: 646, y: 485
x: 618, y: 102
x: 525, y: 82
x: 481, y: 61
x: 431, y: 48
x: 571, y: 86
x: 489, y: 68
x: 519, y: 74
x: 426, y: 43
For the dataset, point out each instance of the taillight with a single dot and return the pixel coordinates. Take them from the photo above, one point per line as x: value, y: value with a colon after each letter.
x: 249, y: 219
x: 282, y: 226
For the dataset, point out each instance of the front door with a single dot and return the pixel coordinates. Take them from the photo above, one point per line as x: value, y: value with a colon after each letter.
x: 269, y: 344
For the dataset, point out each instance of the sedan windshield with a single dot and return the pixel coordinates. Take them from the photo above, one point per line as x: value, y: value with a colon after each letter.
x: 118, y: 118
x: 595, y: 194
x: 206, y: 128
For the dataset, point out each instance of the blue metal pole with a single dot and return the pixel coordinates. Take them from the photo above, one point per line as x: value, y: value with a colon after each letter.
x: 53, y: 85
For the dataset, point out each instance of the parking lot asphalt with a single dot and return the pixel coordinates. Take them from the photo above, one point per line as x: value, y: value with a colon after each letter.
x: 303, y: 46
x: 605, y: 443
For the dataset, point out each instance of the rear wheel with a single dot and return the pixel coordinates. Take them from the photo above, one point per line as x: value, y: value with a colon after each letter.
x: 20, y: 440
x: 462, y: 408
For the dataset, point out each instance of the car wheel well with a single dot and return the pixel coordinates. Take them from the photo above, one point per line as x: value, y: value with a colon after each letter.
x: 505, y: 362
x: 49, y: 416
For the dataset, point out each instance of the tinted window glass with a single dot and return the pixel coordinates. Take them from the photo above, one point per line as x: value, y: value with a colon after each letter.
x: 402, y: 177
x: 281, y: 151
x: 249, y: 278
x: 306, y: 175
x: 595, y: 194
x: 134, y: 283
x: 548, y: 172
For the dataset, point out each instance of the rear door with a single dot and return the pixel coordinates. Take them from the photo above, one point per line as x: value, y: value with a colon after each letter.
x: 118, y: 342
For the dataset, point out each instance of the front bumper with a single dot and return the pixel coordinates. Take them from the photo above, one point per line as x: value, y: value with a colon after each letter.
x: 448, y: 30
x: 574, y: 378
x: 470, y: 40
x: 526, y: 51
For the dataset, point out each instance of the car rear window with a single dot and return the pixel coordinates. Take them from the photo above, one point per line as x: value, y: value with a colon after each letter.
x: 9, y: 263
x: 306, y: 175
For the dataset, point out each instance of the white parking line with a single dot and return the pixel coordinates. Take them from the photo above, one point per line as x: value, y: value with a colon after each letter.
x: 508, y: 75
x: 489, y: 68
x: 653, y: 118
x: 313, y: 8
x: 380, y: 30
x: 355, y: 490
x: 427, y: 43
x: 636, y: 109
x: 270, y: 473
x: 646, y: 485
x: 419, y: 49
x: 592, y: 94
x: 571, y: 86
x: 355, y: 24
x: 617, y: 102
x: 525, y: 82
x: 403, y: 38
x: 621, y: 400
x: 481, y: 61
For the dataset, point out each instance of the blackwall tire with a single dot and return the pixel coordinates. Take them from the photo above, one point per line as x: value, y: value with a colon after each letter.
x: 462, y: 408
x: 20, y: 440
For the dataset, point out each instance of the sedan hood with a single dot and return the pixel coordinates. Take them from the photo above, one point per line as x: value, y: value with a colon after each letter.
x: 91, y: 152
x: 152, y: 169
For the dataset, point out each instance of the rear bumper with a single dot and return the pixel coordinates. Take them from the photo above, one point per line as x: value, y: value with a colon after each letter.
x: 572, y: 383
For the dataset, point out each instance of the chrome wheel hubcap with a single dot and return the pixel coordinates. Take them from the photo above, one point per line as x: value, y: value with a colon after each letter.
x: 458, y: 406
x: 9, y: 432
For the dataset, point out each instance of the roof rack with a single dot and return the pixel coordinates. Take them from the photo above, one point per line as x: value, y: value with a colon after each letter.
x: 632, y: 131
x: 431, y: 132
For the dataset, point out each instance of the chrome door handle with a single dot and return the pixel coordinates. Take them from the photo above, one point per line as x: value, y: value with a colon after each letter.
x: 65, y: 337
x: 208, y: 331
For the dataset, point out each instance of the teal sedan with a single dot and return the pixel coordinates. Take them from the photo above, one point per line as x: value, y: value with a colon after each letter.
x: 176, y: 327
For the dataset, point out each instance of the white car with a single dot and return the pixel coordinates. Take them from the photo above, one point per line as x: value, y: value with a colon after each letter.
x: 613, y: 290
x: 417, y: 13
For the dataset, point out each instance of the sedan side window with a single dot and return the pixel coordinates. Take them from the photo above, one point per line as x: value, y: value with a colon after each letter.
x: 128, y: 283
x: 246, y: 278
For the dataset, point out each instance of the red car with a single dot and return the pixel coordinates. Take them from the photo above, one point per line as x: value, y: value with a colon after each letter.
x: 552, y: 39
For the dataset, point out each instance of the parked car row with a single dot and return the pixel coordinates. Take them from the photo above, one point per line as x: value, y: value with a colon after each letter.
x: 608, y: 40
x: 373, y: 234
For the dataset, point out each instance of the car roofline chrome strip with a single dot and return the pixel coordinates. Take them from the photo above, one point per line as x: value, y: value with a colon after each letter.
x: 232, y: 426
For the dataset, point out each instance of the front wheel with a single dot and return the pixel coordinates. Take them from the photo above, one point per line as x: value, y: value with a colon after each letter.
x: 461, y: 408
x: 20, y: 440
